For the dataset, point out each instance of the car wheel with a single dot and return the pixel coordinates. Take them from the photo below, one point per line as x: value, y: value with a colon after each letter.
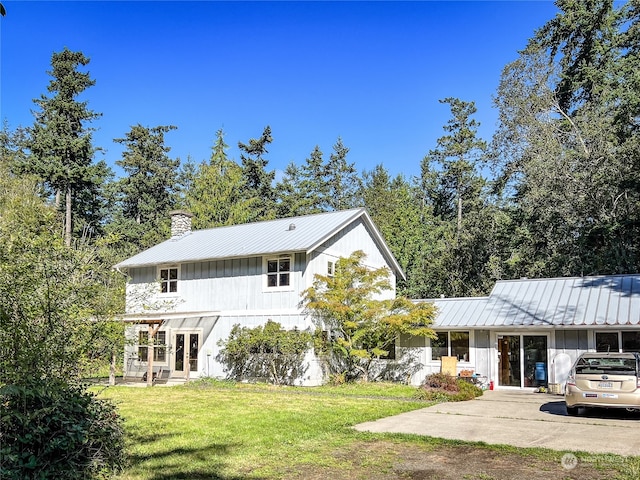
x: 572, y: 411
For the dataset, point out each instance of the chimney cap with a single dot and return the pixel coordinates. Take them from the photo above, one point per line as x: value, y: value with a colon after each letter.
x: 181, y: 212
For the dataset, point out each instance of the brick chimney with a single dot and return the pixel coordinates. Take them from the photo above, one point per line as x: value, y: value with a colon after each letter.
x: 180, y: 223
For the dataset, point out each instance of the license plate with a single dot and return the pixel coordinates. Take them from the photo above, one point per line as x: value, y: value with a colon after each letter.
x: 605, y: 385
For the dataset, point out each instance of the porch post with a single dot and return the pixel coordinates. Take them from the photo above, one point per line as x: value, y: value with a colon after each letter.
x: 152, y: 332
x: 188, y: 364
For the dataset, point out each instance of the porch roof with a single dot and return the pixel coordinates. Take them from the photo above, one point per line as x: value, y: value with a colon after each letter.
x: 586, y: 302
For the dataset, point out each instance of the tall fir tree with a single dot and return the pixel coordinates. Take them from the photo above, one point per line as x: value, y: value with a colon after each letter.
x: 147, y: 192
x: 61, y: 143
x: 343, y: 181
x: 454, y: 192
x: 217, y: 195
x: 259, y: 180
x: 304, y: 190
x: 567, y: 144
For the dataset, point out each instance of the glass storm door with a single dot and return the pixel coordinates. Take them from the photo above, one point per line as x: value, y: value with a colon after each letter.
x: 509, y: 360
x: 186, y: 353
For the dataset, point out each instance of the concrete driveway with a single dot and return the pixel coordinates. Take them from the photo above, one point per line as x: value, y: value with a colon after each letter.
x: 520, y: 419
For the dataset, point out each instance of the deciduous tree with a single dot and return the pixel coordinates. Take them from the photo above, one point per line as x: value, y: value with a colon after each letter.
x: 361, y: 326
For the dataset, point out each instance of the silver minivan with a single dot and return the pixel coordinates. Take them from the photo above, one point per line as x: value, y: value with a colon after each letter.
x: 604, y: 380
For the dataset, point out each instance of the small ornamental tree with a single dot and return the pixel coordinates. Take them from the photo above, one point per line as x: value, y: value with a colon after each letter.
x: 267, y: 351
x: 360, y: 326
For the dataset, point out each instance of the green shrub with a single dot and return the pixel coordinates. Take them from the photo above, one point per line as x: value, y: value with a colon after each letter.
x: 439, y: 387
x: 467, y: 390
x: 266, y: 352
x: 51, y: 430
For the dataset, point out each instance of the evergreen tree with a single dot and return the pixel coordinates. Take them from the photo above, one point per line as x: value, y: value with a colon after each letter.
x: 291, y: 200
x: 304, y: 190
x: 61, y: 140
x: 13, y: 148
x: 395, y: 209
x: 454, y: 200
x: 567, y: 144
x: 343, y: 182
x: 217, y: 196
x: 258, y: 180
x: 456, y: 182
x: 148, y: 191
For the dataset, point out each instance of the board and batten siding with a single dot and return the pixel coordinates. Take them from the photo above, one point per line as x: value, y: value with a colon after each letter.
x: 225, y: 285
x: 355, y: 236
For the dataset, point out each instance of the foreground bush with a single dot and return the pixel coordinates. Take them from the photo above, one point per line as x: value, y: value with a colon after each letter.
x: 266, y: 352
x: 50, y: 430
x: 439, y: 387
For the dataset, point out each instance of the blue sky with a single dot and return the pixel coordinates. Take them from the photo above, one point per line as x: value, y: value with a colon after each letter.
x: 369, y: 72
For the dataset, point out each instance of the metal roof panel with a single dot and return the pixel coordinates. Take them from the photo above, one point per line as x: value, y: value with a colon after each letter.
x: 571, y: 301
x: 296, y: 234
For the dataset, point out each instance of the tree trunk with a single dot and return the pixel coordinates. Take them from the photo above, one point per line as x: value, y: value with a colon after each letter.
x: 112, y: 369
x: 459, y: 216
x: 67, y: 226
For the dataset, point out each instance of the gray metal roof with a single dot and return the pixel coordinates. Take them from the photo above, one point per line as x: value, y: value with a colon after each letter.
x: 548, y: 302
x: 259, y: 238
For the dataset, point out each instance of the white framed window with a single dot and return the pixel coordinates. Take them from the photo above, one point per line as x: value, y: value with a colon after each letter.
x: 168, y: 279
x: 331, y: 268
x: 451, y: 344
x: 278, y: 272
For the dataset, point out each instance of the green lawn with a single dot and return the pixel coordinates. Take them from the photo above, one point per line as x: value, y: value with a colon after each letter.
x: 231, y: 431
x: 222, y: 432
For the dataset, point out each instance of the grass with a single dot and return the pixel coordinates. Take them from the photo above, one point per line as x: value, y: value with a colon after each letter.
x: 353, y: 389
x: 240, y: 431
x: 223, y: 430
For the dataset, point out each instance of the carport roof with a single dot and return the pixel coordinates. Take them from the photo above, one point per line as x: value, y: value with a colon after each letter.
x: 589, y: 302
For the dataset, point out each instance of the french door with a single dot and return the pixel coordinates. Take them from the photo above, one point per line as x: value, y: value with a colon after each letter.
x: 185, y: 357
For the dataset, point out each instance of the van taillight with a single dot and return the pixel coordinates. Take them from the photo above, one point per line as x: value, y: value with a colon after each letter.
x: 571, y: 380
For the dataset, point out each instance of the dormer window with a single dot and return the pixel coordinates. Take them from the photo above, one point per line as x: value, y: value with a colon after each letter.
x: 278, y: 272
x: 169, y: 280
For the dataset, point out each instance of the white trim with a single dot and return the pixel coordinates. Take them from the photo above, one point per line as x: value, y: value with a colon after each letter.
x: 495, y: 360
x: 375, y: 234
x: 265, y: 274
x: 168, y: 293
x: 470, y: 361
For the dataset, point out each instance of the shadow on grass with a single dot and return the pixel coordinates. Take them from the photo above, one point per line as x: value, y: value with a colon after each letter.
x: 181, y: 463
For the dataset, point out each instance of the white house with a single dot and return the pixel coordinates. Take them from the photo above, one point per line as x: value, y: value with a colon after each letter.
x: 528, y: 333
x: 190, y: 290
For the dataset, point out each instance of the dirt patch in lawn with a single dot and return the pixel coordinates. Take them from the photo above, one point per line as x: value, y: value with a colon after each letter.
x: 387, y: 460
